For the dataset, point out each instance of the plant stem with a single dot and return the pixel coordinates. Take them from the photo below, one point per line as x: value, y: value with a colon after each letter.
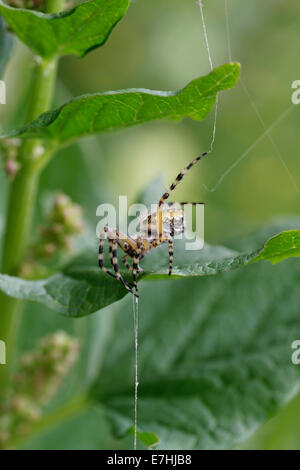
x: 53, y: 6
x: 22, y: 197
x: 20, y: 211
x: 19, y: 216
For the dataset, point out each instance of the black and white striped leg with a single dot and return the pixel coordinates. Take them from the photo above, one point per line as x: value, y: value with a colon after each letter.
x: 114, y: 260
x: 170, y: 256
x: 179, y: 178
x: 112, y: 252
x: 192, y: 203
x: 135, y: 264
x: 100, y: 256
x: 124, y: 260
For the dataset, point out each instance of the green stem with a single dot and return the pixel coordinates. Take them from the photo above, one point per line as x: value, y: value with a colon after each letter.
x: 53, y: 6
x: 44, y: 76
x: 19, y: 216
x: 22, y: 197
x: 20, y: 211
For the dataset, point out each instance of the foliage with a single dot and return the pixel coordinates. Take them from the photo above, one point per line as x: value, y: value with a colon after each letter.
x: 5, y: 46
x: 90, y: 114
x: 80, y: 288
x: 38, y: 379
x: 212, y: 370
x: 75, y: 31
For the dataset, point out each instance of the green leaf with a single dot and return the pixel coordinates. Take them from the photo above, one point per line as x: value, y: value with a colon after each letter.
x: 81, y: 288
x: 148, y: 439
x: 75, y: 31
x: 6, y: 44
x: 101, y: 112
x: 75, y: 292
x: 285, y: 245
x: 214, y: 362
x: 214, y: 356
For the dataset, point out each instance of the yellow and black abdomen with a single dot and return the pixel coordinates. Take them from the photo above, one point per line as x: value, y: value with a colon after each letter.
x: 172, y: 220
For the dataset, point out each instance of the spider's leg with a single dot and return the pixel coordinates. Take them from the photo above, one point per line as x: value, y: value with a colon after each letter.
x: 179, y: 178
x: 135, y: 264
x: 106, y: 232
x: 114, y: 261
x: 170, y: 256
x: 193, y: 203
x: 124, y: 260
x: 100, y: 257
x: 137, y: 255
x: 172, y: 187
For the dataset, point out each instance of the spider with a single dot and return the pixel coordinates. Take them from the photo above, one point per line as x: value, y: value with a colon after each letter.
x: 156, y: 228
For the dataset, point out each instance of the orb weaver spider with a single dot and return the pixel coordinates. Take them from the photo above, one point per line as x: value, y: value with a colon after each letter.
x: 156, y: 228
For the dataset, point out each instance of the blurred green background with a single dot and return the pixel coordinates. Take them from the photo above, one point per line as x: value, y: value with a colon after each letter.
x: 160, y: 45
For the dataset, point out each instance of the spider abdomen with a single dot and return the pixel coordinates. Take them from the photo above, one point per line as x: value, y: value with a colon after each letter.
x: 172, y: 223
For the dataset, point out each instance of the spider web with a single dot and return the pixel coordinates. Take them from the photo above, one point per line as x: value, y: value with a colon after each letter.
x: 211, y: 68
x: 266, y: 133
x: 266, y: 130
x: 135, y: 307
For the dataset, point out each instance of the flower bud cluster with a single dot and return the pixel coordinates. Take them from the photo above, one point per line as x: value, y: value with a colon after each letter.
x: 55, y: 238
x: 39, y: 379
x: 9, y: 150
x: 28, y: 4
